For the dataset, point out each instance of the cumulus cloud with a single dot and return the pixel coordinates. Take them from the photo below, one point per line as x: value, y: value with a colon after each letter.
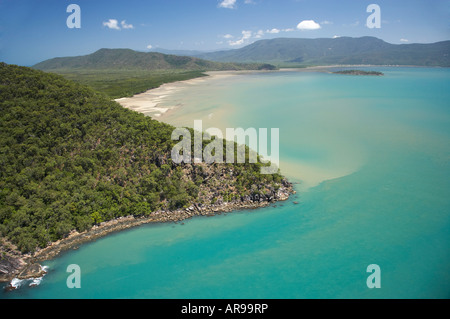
x: 228, y: 4
x: 149, y: 46
x: 308, y: 25
x: 274, y: 31
x: 126, y: 26
x: 235, y: 43
x: 404, y: 40
x: 112, y: 24
x: 245, y: 36
x: 259, y: 34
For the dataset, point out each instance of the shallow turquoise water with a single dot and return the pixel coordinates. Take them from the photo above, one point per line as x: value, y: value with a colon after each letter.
x: 372, y: 156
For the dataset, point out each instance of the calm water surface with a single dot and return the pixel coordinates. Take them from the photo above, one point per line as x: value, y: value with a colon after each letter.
x: 372, y: 159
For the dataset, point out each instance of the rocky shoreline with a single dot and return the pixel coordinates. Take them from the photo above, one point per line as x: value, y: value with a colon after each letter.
x: 15, y: 265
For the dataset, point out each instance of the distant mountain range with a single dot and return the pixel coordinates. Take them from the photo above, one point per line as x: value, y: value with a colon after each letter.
x: 344, y: 50
x: 280, y: 52
x: 126, y: 59
x: 193, y: 53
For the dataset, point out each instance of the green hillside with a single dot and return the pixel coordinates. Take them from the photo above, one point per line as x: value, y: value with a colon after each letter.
x: 123, y: 72
x: 71, y: 158
x: 126, y: 59
x: 125, y: 83
x: 344, y: 50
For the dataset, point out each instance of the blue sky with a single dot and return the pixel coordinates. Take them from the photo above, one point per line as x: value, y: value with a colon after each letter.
x: 35, y: 30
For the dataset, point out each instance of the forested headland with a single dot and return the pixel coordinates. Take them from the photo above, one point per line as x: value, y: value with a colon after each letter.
x: 71, y: 158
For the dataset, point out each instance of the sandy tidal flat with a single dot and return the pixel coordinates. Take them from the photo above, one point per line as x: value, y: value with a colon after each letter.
x: 151, y: 102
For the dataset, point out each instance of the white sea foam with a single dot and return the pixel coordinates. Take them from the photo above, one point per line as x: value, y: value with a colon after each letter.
x: 36, y: 281
x: 16, y: 283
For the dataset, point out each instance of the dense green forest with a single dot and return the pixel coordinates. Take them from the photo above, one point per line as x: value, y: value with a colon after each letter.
x: 125, y: 83
x: 72, y: 158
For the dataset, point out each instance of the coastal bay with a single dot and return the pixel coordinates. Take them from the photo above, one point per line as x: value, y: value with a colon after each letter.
x: 151, y: 103
x: 24, y: 265
x: 370, y: 156
x: 228, y: 150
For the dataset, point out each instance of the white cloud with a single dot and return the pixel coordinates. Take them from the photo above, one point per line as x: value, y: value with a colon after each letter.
x: 149, y: 46
x: 126, y: 26
x: 112, y: 24
x: 235, y: 43
x: 326, y: 22
x: 228, y: 4
x: 259, y: 34
x: 273, y: 31
x: 308, y: 25
x: 245, y: 36
x: 336, y: 37
x: 404, y: 40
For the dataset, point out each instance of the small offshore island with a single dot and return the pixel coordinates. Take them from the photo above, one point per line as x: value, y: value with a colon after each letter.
x: 359, y: 72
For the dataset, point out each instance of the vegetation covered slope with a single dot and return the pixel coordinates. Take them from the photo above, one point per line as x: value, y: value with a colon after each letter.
x: 124, y: 72
x: 359, y: 72
x: 126, y: 83
x: 343, y: 50
x: 127, y: 59
x: 71, y: 158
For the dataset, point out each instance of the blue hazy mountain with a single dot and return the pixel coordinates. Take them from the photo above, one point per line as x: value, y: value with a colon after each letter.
x: 343, y: 50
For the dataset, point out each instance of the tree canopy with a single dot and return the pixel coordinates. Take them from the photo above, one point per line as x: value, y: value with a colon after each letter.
x: 71, y: 158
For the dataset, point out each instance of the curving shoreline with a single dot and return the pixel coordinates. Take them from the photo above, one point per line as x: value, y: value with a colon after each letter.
x: 150, y: 102
x: 14, y: 265
x: 29, y: 265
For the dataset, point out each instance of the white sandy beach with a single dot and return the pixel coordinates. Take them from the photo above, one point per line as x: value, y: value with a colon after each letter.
x: 150, y: 102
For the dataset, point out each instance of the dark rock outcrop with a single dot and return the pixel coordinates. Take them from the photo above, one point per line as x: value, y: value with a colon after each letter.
x: 10, y: 267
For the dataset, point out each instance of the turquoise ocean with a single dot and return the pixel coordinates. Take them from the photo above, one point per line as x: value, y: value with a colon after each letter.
x: 370, y: 157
